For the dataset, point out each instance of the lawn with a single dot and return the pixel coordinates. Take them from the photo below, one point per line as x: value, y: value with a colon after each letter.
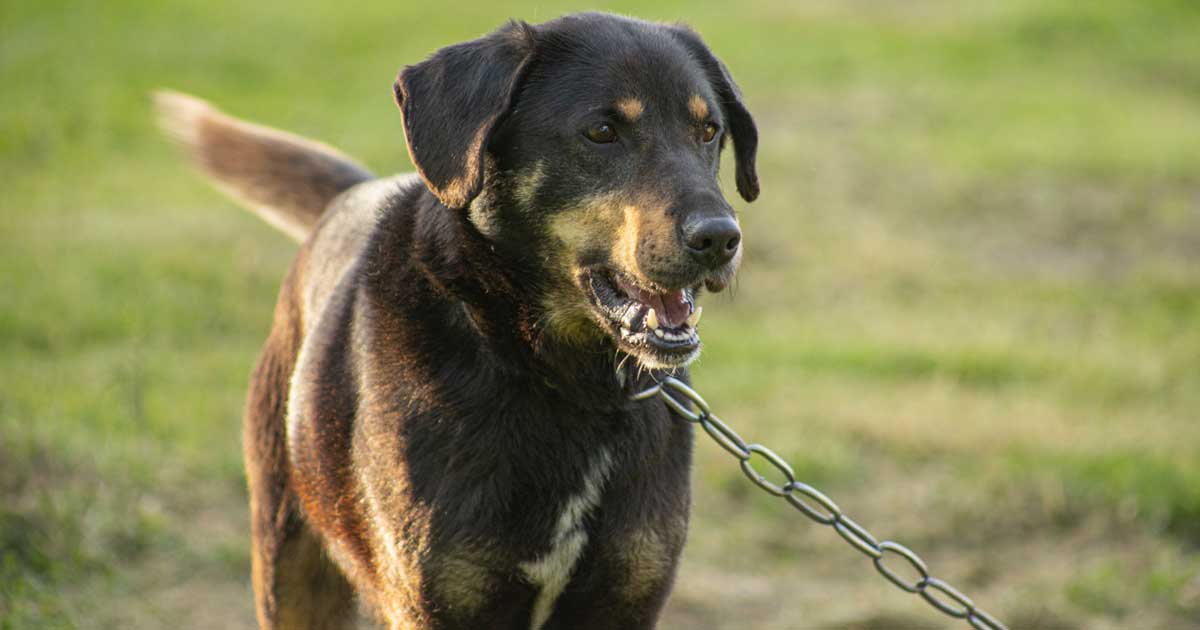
x: 969, y: 308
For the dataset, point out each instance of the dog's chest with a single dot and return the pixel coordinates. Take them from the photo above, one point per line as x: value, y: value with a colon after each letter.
x: 541, y: 542
x: 511, y: 506
x: 587, y: 507
x: 551, y: 570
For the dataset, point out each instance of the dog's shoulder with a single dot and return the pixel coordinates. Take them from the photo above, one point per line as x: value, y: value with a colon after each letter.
x: 342, y: 235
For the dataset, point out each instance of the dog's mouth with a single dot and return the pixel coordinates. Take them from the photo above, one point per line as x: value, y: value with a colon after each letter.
x: 654, y: 324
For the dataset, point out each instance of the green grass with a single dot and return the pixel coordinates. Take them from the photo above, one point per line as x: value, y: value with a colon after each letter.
x: 969, y: 307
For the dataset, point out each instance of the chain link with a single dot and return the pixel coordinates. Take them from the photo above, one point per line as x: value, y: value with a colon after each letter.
x: 821, y: 509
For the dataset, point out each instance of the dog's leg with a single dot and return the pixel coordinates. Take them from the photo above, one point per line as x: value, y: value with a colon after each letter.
x: 310, y: 591
x: 295, y: 584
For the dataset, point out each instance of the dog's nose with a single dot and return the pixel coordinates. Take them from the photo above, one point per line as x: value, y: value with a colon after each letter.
x: 712, y: 240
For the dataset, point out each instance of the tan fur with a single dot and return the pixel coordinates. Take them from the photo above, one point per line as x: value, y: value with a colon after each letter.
x: 632, y: 108
x: 302, y: 571
x: 626, y: 241
x: 567, y: 316
x: 456, y: 193
x: 611, y: 221
x: 615, y: 222
x: 650, y: 558
x: 698, y: 107
x: 592, y: 224
x: 285, y: 179
x: 528, y: 184
x: 464, y: 581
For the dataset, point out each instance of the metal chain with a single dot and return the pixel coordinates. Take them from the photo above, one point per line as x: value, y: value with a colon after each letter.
x: 820, y: 508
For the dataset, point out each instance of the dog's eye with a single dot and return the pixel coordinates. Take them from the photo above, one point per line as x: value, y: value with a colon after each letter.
x: 601, y: 133
x: 710, y: 131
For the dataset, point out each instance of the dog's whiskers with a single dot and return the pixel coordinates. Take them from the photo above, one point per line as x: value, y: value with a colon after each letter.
x: 621, y: 363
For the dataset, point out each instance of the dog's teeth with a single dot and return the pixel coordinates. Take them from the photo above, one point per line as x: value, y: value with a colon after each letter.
x: 658, y: 331
x: 694, y: 318
x: 652, y: 320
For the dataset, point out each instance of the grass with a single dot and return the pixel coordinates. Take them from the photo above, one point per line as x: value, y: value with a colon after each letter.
x: 968, y: 309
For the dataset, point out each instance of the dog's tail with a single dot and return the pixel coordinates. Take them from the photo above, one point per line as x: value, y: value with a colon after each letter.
x: 287, y: 180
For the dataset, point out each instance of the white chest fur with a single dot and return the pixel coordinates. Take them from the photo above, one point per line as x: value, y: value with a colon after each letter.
x: 552, y: 571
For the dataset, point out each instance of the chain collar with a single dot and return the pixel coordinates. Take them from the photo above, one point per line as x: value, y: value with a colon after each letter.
x: 816, y: 506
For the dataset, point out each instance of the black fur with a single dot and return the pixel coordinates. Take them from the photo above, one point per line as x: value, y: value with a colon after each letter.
x: 450, y: 400
x: 741, y: 124
x: 452, y: 101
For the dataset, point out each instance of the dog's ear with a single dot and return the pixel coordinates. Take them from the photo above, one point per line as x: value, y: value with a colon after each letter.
x: 741, y: 124
x: 452, y: 101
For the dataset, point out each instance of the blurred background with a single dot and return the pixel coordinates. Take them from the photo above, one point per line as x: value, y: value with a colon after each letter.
x: 968, y: 311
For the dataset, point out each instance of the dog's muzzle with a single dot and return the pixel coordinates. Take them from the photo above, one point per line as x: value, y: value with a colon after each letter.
x: 656, y: 326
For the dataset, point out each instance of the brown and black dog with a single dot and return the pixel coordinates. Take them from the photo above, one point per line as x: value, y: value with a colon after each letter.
x: 440, y: 420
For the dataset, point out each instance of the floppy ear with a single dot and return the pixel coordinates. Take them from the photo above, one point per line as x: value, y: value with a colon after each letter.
x: 452, y: 101
x: 741, y: 124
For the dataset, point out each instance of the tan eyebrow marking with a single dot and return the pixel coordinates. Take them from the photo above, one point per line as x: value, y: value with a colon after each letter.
x: 698, y: 107
x: 631, y: 108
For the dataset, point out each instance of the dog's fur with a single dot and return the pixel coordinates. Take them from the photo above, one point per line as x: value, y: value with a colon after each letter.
x: 440, y: 418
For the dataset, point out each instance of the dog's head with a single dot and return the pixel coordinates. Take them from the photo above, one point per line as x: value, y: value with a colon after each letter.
x: 586, y: 149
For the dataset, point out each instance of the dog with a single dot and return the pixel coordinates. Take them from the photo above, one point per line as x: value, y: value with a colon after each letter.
x: 440, y: 419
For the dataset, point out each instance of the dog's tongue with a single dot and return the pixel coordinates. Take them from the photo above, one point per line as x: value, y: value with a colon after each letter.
x: 672, y: 307
x: 675, y: 308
